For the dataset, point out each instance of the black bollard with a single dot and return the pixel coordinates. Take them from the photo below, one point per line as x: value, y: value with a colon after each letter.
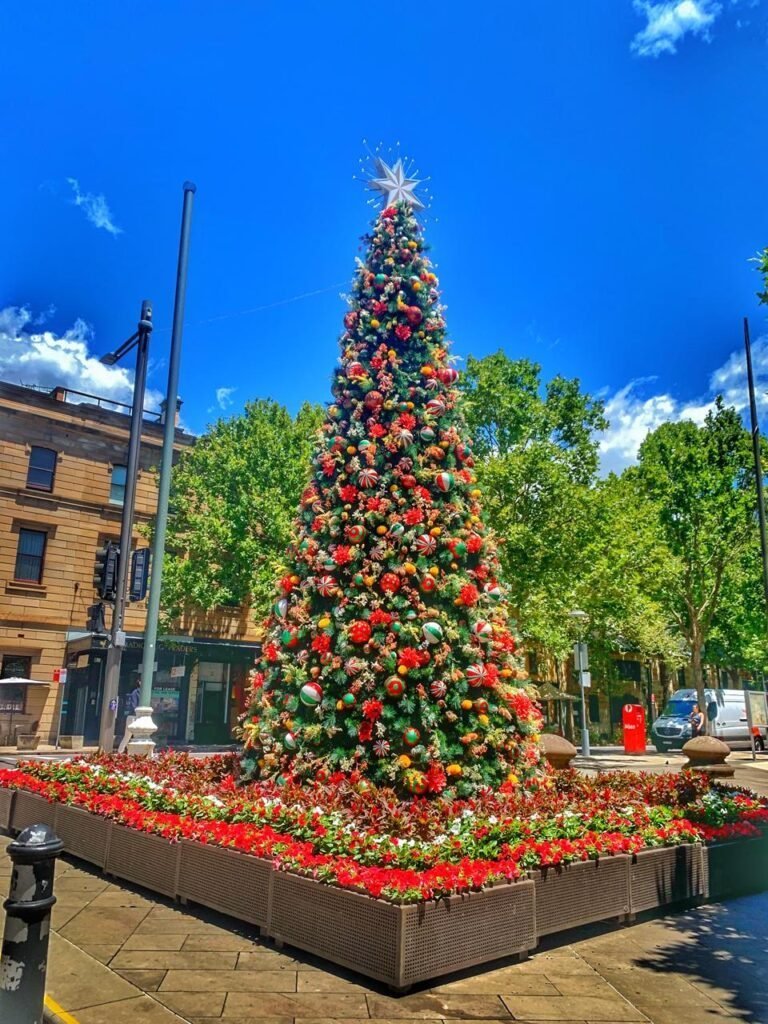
x: 27, y: 925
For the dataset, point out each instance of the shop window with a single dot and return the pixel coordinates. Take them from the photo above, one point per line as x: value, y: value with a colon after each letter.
x: 30, y: 556
x: 12, y: 698
x: 41, y: 469
x: 117, y: 486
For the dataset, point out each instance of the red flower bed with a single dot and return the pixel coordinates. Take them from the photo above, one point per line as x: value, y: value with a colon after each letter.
x: 343, y: 831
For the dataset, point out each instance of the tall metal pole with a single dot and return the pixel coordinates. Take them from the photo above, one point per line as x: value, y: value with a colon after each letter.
x: 117, y: 636
x: 144, y: 727
x: 756, y: 450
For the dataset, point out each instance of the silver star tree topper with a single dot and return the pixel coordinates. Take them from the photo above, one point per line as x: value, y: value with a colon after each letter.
x: 395, y: 185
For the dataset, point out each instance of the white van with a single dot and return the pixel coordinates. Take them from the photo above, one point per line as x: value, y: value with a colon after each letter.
x: 726, y: 712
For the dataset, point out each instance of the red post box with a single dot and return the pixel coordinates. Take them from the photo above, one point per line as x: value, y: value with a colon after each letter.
x: 633, y: 722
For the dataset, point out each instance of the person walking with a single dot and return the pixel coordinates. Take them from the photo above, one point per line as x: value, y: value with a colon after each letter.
x: 131, y: 703
x: 696, y: 718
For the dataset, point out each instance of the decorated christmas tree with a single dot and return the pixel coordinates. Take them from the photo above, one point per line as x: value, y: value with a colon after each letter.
x: 389, y: 653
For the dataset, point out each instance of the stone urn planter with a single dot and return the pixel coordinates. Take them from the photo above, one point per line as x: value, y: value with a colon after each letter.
x: 27, y: 741
x: 707, y: 754
x: 557, y: 750
x: 71, y: 742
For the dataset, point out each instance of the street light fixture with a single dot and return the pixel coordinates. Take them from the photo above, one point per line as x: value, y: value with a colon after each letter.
x: 140, y: 341
x: 581, y: 664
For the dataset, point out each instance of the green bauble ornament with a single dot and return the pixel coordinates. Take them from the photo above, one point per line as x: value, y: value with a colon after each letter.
x: 348, y: 700
x: 310, y: 695
x: 411, y: 736
x: 433, y: 632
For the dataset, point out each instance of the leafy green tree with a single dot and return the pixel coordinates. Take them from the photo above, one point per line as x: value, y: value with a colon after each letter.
x: 537, y: 451
x: 233, y: 499
x: 701, y: 481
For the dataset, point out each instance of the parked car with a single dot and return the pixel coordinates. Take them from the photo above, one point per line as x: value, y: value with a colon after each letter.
x: 726, y: 712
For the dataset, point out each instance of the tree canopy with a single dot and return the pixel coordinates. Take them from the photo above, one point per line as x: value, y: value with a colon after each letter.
x: 234, y: 495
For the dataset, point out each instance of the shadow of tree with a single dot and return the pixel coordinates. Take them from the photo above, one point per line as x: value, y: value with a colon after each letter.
x: 720, y: 948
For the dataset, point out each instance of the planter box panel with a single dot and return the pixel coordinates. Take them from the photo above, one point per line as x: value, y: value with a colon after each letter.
x: 463, y: 931
x: 84, y: 834
x: 6, y: 807
x: 737, y: 867
x: 225, y: 880
x: 660, y: 877
x: 581, y: 893
x: 29, y: 809
x: 344, y: 927
x: 145, y: 859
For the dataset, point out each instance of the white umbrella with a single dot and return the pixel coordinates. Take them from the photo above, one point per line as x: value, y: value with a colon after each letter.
x: 21, y: 681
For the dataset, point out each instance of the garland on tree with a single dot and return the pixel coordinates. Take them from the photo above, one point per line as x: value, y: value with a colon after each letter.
x: 389, y: 651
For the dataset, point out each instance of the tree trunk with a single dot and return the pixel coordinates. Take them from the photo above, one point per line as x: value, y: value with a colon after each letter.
x: 697, y: 678
x: 667, y: 682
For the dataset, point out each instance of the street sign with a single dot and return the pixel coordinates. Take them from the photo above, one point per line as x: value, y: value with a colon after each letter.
x: 586, y: 680
x: 580, y: 657
x: 59, y: 675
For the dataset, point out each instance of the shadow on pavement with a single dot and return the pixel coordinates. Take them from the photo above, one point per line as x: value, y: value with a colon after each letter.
x: 722, y: 949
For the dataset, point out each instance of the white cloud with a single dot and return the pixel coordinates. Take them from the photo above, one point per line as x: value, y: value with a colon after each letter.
x: 633, y: 414
x: 95, y: 208
x: 44, y: 359
x: 224, y: 397
x: 669, y: 21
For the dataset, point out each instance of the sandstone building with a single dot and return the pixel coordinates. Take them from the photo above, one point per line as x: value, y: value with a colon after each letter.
x: 63, y: 457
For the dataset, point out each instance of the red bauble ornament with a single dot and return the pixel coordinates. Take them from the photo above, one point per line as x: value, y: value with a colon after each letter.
x: 390, y: 583
x: 428, y: 584
x: 360, y: 632
x: 448, y: 375
x: 395, y: 686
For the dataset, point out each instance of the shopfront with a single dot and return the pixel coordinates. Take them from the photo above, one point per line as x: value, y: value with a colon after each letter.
x: 198, y: 689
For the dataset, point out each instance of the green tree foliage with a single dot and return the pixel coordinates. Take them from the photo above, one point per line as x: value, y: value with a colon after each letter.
x: 537, y: 457
x: 569, y: 540
x: 233, y: 498
x: 701, y: 481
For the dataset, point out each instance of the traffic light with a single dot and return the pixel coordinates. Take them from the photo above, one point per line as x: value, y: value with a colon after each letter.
x: 96, y: 622
x: 105, y: 571
x: 137, y: 589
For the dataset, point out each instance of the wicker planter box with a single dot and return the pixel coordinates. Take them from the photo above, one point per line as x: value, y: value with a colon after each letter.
x: 29, y: 809
x: 85, y: 835
x: 735, y: 868
x: 225, y: 880
x: 660, y: 877
x: 145, y: 859
x: 6, y: 807
x: 400, y: 945
x: 581, y: 893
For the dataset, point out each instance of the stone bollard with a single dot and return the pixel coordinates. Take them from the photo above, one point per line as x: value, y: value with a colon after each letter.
x: 557, y: 750
x: 707, y: 754
x: 24, y: 957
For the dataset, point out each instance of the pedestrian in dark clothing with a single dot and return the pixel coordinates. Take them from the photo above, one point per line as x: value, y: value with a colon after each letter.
x: 697, y: 722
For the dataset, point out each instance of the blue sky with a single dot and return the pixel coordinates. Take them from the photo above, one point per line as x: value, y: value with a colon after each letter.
x: 598, y: 170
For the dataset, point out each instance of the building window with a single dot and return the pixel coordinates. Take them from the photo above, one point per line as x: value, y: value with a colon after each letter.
x: 14, y: 666
x: 628, y: 670
x: 117, y: 487
x: 41, y: 469
x: 533, y: 663
x: 30, y: 555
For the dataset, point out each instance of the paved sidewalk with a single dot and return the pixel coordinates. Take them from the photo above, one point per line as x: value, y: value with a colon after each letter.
x: 120, y: 955
x: 77, y: 984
